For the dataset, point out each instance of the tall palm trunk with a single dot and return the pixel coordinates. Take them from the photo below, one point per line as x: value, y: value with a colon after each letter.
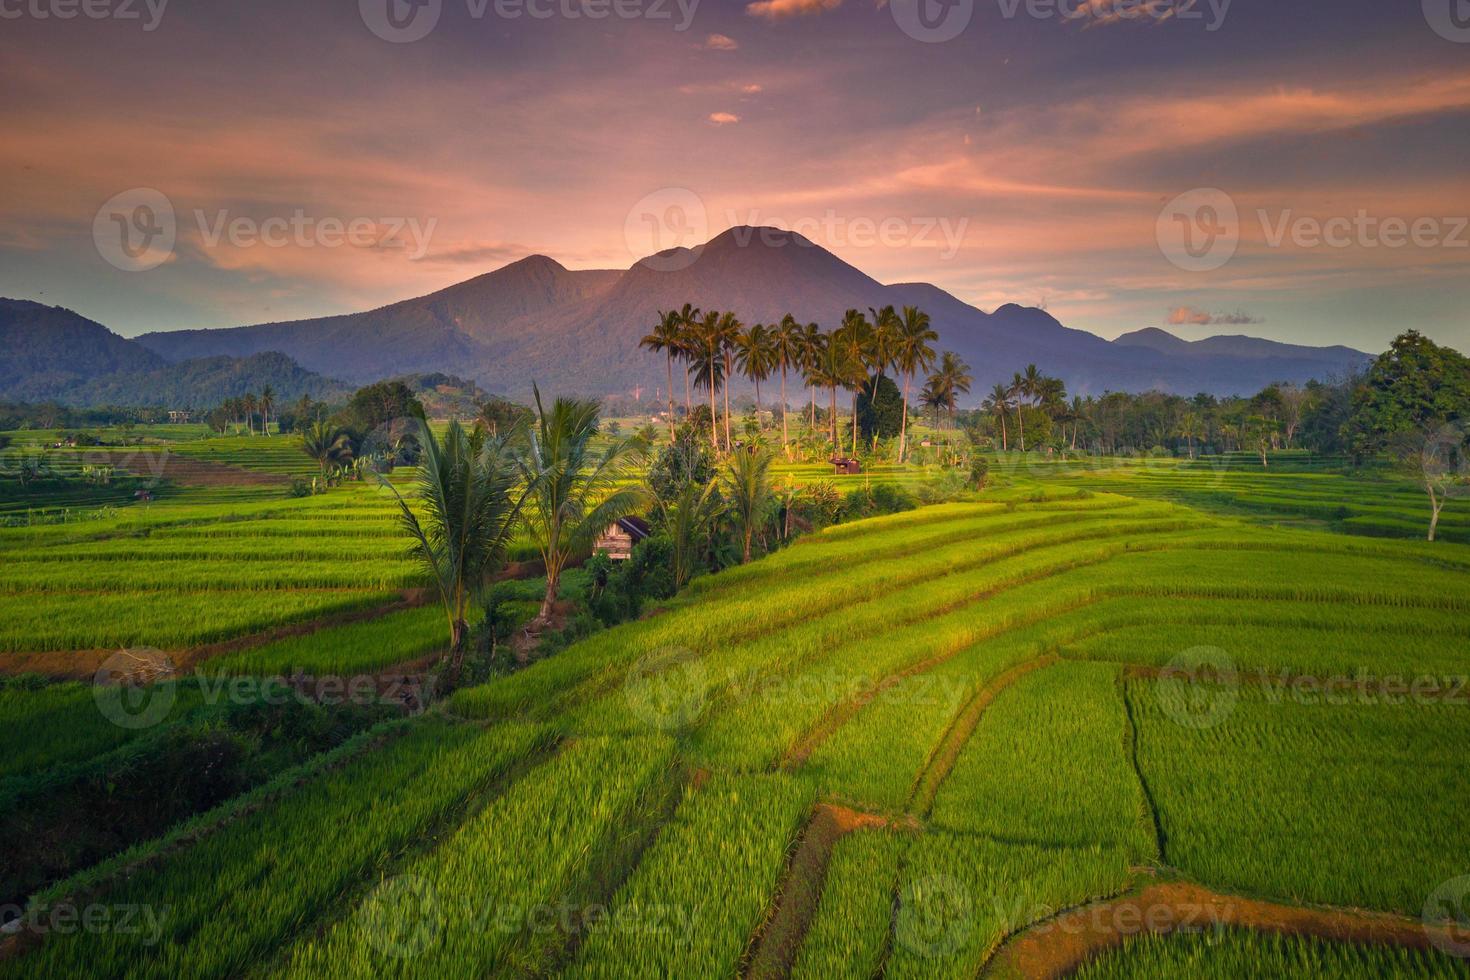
x: 854, y: 421
x: 903, y: 425
x: 728, y: 443
x: 1021, y: 427
x: 785, y: 437
x: 836, y: 446
x: 688, y: 397
x: 714, y: 431
x: 669, y: 355
x: 1005, y: 442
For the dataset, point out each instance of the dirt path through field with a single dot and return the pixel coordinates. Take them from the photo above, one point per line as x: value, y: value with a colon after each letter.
x: 1060, y: 945
x: 780, y: 936
x: 958, y: 736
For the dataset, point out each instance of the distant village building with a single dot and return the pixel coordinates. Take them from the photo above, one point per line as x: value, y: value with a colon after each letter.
x: 180, y: 416
x: 846, y: 467
x: 620, y: 537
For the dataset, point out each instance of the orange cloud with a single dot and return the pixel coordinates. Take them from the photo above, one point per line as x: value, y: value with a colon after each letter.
x: 779, y: 9
x: 723, y: 118
x: 721, y: 42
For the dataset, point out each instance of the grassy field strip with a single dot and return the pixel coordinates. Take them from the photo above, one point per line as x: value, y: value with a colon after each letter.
x: 1049, y: 764
x: 744, y: 685
x: 1265, y: 649
x: 850, y: 930
x: 959, y: 896
x: 475, y: 905
x: 960, y: 521
x: 600, y: 663
x: 711, y: 873
x: 57, y: 622
x: 193, y: 576
x: 352, y: 648
x: 1270, y: 801
x: 227, y: 909
x: 1227, y: 954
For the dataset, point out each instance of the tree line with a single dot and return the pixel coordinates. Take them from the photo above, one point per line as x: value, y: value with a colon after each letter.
x: 713, y: 348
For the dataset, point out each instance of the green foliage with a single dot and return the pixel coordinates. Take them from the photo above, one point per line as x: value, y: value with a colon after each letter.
x: 880, y: 411
x: 1415, y: 386
x: 685, y: 460
x: 875, y: 501
x: 377, y: 405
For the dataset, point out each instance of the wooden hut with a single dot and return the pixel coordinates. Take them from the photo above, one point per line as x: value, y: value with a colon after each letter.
x: 620, y: 537
x: 846, y: 467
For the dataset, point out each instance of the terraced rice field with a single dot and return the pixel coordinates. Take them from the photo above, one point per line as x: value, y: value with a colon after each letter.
x: 900, y: 747
x: 1327, y: 493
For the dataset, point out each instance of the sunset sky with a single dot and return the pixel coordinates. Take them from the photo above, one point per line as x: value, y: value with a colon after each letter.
x: 1026, y: 160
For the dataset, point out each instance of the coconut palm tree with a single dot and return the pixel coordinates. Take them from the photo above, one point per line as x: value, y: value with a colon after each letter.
x: 665, y: 338
x: 812, y: 340
x: 327, y: 444
x: 687, y: 350
x: 747, y: 485
x: 1190, y: 427
x: 912, y: 353
x: 250, y: 404
x: 704, y: 348
x: 728, y: 334
x: 951, y: 380
x: 755, y: 352
x: 828, y: 369
x: 575, y: 489
x: 467, y: 485
x: 267, y: 402
x: 1019, y: 394
x: 856, y: 340
x: 690, y: 522
x: 932, y: 397
x: 786, y: 345
x: 998, y: 403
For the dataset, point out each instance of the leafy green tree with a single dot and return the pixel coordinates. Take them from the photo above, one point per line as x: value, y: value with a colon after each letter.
x: 576, y: 489
x: 467, y: 485
x: 378, y: 404
x: 880, y: 409
x: 1416, y: 386
x: 689, y: 520
x: 685, y: 460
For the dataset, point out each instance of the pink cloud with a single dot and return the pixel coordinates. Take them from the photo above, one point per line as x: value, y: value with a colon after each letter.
x: 721, y: 42
x: 723, y: 118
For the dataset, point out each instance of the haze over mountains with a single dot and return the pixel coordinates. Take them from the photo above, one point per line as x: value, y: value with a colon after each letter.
x: 535, y: 320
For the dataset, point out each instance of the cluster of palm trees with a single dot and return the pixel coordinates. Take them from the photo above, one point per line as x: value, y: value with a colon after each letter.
x: 246, y: 407
x: 1034, y: 390
x: 714, y: 347
x: 550, y: 477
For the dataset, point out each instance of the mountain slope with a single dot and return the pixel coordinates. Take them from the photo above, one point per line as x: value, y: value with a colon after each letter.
x: 48, y: 349
x: 53, y: 354
x: 444, y: 330
x: 535, y: 320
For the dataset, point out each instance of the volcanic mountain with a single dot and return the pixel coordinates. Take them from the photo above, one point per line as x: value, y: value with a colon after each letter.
x: 535, y: 320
